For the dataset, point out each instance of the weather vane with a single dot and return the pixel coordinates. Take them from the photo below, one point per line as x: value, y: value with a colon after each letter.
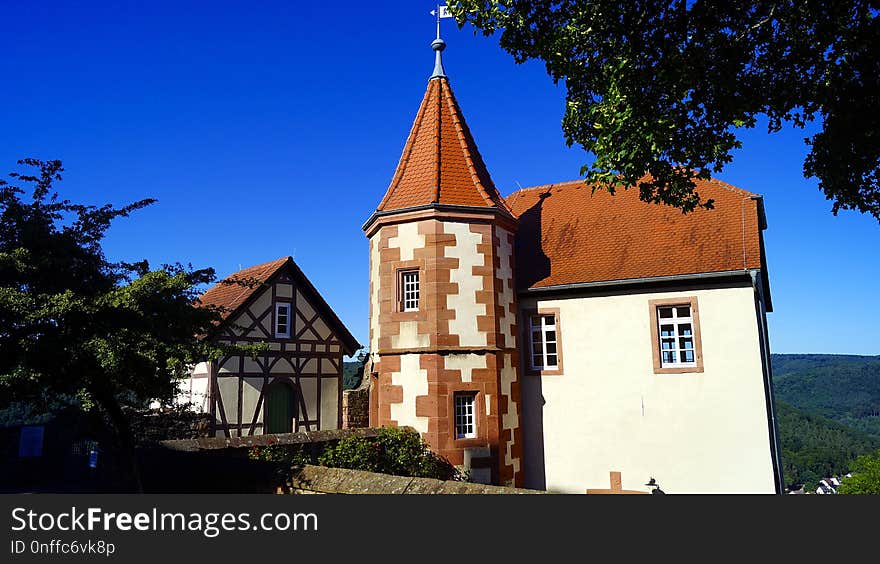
x: 442, y: 12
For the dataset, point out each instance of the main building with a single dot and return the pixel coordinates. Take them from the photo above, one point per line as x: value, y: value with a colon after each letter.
x: 568, y: 340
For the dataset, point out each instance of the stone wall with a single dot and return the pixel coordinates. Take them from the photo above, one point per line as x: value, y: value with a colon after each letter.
x: 221, y: 465
x: 151, y: 426
x: 301, y: 438
x: 321, y: 480
x: 212, y: 465
x: 356, y: 408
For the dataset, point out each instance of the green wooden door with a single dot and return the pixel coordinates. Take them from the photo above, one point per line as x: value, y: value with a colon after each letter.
x: 279, y: 409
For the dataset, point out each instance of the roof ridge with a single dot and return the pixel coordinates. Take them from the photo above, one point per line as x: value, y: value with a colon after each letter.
x: 438, y: 137
x: 516, y: 195
x: 455, y: 111
x: 713, y: 180
x: 257, y: 271
x: 731, y: 187
x: 407, y: 150
x: 468, y: 144
x: 548, y: 185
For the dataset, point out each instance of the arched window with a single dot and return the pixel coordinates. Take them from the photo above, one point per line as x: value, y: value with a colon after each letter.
x: 280, y: 409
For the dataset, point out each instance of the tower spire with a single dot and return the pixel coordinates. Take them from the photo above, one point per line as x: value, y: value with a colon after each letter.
x: 438, y: 44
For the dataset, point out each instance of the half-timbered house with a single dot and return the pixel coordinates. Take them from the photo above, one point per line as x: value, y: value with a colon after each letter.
x: 296, y: 384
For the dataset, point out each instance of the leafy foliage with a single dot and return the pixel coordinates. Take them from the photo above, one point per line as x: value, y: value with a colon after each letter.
x: 74, y: 324
x: 660, y: 87
x: 353, y: 372
x: 286, y: 454
x: 351, y: 375
x: 395, y: 451
x: 865, y: 478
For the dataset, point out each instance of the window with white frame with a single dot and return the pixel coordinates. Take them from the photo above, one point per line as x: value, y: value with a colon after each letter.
x: 409, y: 290
x: 676, y: 325
x: 544, y: 341
x: 282, y: 320
x: 465, y: 418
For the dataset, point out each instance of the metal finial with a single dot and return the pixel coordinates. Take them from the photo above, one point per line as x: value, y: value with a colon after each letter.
x: 438, y: 45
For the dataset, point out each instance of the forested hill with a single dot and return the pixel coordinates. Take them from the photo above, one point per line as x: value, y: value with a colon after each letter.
x: 828, y: 412
x: 814, y: 447
x: 842, y: 388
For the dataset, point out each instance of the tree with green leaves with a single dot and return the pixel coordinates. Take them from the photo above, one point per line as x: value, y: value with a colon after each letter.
x: 865, y: 477
x: 658, y: 90
x: 73, y: 323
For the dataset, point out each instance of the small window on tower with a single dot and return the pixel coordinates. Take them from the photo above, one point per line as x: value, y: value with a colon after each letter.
x: 465, y: 419
x: 282, y: 320
x: 409, y: 290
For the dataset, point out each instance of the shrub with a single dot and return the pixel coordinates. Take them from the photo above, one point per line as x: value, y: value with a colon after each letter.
x: 288, y: 454
x: 865, y: 476
x: 395, y: 451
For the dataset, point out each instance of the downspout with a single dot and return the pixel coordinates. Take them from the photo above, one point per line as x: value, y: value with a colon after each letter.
x: 764, y: 342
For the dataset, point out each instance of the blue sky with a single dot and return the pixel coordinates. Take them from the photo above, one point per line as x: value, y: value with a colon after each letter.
x: 272, y: 128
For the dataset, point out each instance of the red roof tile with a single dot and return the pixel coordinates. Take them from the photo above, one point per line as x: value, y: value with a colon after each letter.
x: 230, y: 295
x: 569, y: 236
x: 440, y: 163
x: 251, y: 280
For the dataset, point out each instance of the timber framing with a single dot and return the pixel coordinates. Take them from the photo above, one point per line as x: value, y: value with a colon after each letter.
x: 309, y: 361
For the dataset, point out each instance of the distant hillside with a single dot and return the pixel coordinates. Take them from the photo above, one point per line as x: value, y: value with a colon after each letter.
x: 351, y: 375
x: 814, y: 447
x: 842, y: 388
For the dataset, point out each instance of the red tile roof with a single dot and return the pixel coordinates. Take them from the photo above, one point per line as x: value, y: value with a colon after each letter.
x: 568, y: 236
x: 440, y: 163
x: 251, y: 280
x: 230, y: 296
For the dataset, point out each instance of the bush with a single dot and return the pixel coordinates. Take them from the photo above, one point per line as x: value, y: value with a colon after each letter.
x: 865, y: 476
x: 287, y: 454
x: 395, y: 451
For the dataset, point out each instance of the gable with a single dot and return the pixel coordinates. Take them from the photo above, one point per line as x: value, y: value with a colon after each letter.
x: 249, y: 310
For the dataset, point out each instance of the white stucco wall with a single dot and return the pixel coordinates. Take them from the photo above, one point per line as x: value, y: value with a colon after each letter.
x: 692, y: 432
x: 329, y: 403
x: 510, y: 418
x: 465, y: 364
x: 408, y: 239
x: 505, y: 273
x: 409, y: 336
x: 309, y: 389
x: 414, y: 380
x: 464, y: 302
x: 250, y: 396
x: 259, y: 305
x: 284, y: 290
x: 228, y: 388
x: 193, y: 390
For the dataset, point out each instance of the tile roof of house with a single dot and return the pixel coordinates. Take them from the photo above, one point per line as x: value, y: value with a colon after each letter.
x: 569, y: 236
x: 237, y: 289
x: 234, y: 290
x: 440, y: 163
